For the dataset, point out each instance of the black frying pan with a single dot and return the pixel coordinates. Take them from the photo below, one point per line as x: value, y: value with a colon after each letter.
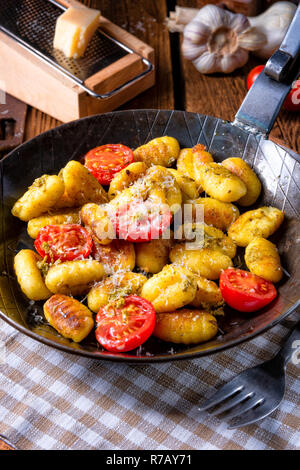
x: 277, y: 168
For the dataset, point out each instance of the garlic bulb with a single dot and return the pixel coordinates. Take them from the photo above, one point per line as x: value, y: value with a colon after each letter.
x: 218, y: 41
x: 273, y: 23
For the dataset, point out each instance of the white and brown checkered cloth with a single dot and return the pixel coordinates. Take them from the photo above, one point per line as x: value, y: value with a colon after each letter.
x: 53, y: 400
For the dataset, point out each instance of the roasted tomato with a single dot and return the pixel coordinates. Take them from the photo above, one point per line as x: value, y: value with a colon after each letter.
x: 245, y: 291
x: 142, y: 221
x: 64, y: 242
x: 107, y: 160
x: 125, y: 324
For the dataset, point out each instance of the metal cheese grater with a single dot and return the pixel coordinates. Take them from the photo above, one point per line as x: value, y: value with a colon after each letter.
x: 32, y: 24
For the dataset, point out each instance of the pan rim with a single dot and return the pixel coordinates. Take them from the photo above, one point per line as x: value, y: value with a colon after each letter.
x: 137, y: 359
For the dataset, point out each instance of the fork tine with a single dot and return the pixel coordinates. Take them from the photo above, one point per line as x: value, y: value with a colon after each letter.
x: 224, y: 392
x: 252, y: 416
x: 244, y: 407
x: 232, y: 403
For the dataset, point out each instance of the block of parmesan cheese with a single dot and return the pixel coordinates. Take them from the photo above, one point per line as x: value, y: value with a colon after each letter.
x: 74, y: 30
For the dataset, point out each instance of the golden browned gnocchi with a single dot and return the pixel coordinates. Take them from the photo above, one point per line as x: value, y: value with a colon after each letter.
x: 219, y: 214
x: 205, y: 262
x: 262, y: 222
x: 96, y: 217
x: 183, y: 294
x: 114, y: 287
x: 40, y: 197
x: 152, y: 256
x: 162, y: 186
x: 80, y: 186
x: 162, y: 151
x: 220, y: 183
x: 188, y: 187
x: 170, y: 289
x: 69, y: 317
x: 190, y: 161
x: 126, y: 178
x: 29, y: 275
x: 185, y: 326
x: 205, y: 236
x: 74, y: 277
x: 119, y: 255
x: 208, y: 294
x: 66, y: 216
x: 262, y: 258
x: 241, y: 168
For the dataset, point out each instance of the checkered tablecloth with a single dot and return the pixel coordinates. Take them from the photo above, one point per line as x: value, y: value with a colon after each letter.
x: 53, y: 400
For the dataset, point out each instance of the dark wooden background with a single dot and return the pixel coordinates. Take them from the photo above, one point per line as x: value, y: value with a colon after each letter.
x: 178, y: 84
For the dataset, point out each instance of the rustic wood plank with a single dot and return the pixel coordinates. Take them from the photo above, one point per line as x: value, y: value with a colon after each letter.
x: 221, y: 95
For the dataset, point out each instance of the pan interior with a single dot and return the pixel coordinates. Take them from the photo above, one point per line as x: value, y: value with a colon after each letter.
x: 278, y: 171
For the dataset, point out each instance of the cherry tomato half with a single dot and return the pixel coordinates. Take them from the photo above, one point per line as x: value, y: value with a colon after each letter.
x: 245, y: 291
x: 125, y: 327
x: 292, y: 101
x: 142, y: 221
x: 107, y: 160
x: 63, y: 242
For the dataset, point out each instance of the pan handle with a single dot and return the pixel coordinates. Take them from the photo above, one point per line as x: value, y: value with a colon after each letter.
x: 262, y: 103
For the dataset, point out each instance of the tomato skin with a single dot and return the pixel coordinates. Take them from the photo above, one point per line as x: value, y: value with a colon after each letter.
x: 124, y: 328
x: 107, y: 160
x: 153, y: 221
x: 63, y: 242
x: 292, y: 101
x: 253, y: 74
x: 245, y: 291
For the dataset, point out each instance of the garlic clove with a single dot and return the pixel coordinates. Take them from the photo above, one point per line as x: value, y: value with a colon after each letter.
x: 196, y: 32
x: 211, y: 16
x: 252, y: 39
x: 233, y: 61
x: 192, y: 51
x: 207, y: 63
x: 273, y: 23
x: 239, y: 23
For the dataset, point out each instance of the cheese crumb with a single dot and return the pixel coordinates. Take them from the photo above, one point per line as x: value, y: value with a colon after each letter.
x: 74, y: 30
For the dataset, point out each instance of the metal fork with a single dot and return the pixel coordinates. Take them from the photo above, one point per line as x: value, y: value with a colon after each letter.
x: 256, y: 392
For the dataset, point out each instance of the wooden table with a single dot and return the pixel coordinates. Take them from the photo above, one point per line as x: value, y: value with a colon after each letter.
x: 178, y: 84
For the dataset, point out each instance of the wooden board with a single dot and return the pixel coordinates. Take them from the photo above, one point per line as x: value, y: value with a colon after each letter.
x: 46, y: 89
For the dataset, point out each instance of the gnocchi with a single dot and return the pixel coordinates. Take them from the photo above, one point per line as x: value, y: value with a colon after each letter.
x: 162, y: 151
x: 205, y: 262
x: 119, y: 255
x: 170, y: 289
x: 220, y: 183
x: 262, y: 258
x: 262, y: 222
x: 68, y: 216
x: 29, y: 275
x: 219, y: 214
x: 126, y: 178
x: 96, y: 217
x: 208, y: 294
x: 41, y: 196
x: 185, y: 326
x: 191, y: 160
x: 169, y: 273
x: 152, y: 256
x: 69, y: 317
x: 241, y: 168
x: 119, y: 285
x: 80, y: 187
x: 74, y: 277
